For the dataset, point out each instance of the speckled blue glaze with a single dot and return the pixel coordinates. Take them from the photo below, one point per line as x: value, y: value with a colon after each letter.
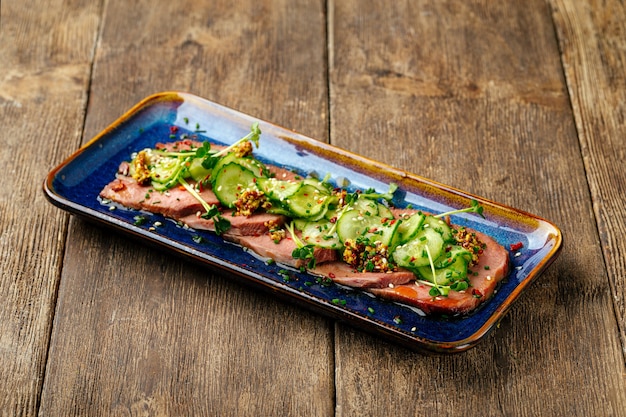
x: 75, y: 184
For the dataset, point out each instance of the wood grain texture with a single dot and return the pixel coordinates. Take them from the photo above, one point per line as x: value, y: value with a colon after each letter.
x: 45, y: 55
x: 519, y: 102
x: 150, y: 334
x: 472, y: 94
x: 591, y: 36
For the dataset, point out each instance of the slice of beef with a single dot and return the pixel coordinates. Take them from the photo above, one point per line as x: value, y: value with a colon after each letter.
x: 342, y: 273
x: 184, y: 145
x: 483, y: 283
x: 175, y: 202
x: 280, y: 252
x: 254, y: 225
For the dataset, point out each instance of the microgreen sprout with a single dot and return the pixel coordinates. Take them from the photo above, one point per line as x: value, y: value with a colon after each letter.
x: 302, y: 251
x: 211, y: 212
x: 211, y: 159
x: 436, y: 289
x: 475, y: 207
x: 371, y: 194
x: 253, y: 136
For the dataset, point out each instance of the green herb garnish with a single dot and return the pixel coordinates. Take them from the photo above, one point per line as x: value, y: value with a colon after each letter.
x: 475, y: 207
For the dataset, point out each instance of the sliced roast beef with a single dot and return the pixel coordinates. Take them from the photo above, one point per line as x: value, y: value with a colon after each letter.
x: 254, y: 225
x: 175, y: 202
x: 184, y: 145
x: 492, y: 266
x: 281, y: 251
x: 342, y: 273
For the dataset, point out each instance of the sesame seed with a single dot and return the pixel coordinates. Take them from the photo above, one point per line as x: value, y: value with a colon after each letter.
x: 111, y: 208
x: 488, y: 277
x: 518, y: 254
x: 157, y: 224
x: 413, y: 329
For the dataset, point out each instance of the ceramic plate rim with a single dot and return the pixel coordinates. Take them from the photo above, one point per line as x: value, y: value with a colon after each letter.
x: 322, y: 150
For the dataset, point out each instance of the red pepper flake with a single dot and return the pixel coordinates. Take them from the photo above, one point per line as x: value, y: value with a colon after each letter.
x: 517, y: 246
x: 331, y: 275
x: 476, y: 293
x: 173, y: 129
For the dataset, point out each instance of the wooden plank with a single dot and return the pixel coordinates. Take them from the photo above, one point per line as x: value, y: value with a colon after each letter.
x: 150, y: 334
x: 45, y: 61
x: 471, y: 94
x: 592, y: 41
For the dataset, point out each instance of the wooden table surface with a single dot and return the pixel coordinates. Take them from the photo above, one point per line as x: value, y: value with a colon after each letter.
x: 521, y: 102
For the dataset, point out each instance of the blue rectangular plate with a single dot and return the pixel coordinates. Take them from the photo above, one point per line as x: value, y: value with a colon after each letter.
x: 75, y: 184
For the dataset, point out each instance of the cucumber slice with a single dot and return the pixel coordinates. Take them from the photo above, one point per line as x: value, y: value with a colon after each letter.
x: 450, y: 256
x: 353, y: 225
x: 384, y: 211
x: 317, y: 233
x: 409, y: 227
x: 197, y: 171
x: 164, y: 169
x: 384, y: 231
x: 366, y: 207
x: 300, y: 224
x: 278, y: 190
x: 253, y: 165
x: 413, y: 253
x: 440, y: 226
x: 308, y: 202
x: 230, y: 181
x: 322, y: 186
x: 457, y: 270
